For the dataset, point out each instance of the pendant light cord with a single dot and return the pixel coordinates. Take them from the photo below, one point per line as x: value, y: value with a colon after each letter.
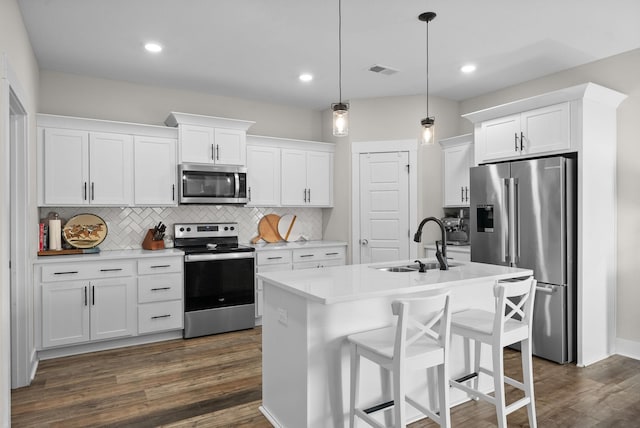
x: 340, y: 49
x: 427, y: 69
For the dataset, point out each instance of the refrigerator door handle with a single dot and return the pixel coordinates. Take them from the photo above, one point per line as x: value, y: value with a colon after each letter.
x: 516, y: 221
x: 511, y: 220
x: 546, y: 289
x: 504, y: 230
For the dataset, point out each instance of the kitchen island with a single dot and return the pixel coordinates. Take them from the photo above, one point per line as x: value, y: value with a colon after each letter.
x: 309, y: 313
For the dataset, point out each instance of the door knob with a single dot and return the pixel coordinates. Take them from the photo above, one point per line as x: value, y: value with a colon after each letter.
x: 364, y: 242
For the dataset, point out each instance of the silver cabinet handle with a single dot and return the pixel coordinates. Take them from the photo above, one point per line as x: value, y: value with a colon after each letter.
x: 274, y: 258
x: 249, y: 193
x: 305, y: 195
x: 521, y: 141
x: 71, y: 272
x: 516, y: 140
x: 462, y: 193
x: 331, y: 254
x: 85, y: 295
x: 160, y: 266
x: 85, y: 191
x: 309, y: 190
x: 306, y: 255
x: 93, y: 191
x: 111, y: 270
x: 161, y: 316
x: 93, y: 295
x: 161, y: 289
x: 173, y: 192
x: 217, y: 152
x: 466, y: 193
x: 213, y: 152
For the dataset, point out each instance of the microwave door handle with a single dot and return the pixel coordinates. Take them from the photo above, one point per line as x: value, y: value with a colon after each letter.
x: 236, y: 177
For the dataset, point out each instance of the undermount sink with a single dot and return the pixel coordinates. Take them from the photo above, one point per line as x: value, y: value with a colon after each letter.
x: 413, y: 267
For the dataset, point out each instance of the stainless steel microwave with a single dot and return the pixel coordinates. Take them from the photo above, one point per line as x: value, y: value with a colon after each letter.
x: 212, y: 184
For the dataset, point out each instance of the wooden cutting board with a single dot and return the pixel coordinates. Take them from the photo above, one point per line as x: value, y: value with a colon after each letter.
x: 268, y: 229
x: 288, y: 228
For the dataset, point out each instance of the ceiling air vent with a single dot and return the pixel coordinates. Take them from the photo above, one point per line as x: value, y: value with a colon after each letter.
x: 381, y: 69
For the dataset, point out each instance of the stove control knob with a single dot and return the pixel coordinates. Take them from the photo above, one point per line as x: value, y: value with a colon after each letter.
x: 182, y: 229
x: 233, y: 228
x: 226, y: 228
x: 188, y: 229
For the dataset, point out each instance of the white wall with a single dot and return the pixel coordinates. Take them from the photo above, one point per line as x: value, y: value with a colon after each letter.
x: 82, y: 96
x: 620, y: 73
x: 15, y: 46
x: 391, y: 118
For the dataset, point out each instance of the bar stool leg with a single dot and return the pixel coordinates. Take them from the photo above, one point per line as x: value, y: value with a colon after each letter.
x: 443, y: 396
x: 355, y: 379
x: 498, y: 384
x: 398, y: 398
x: 527, y: 380
x: 477, y: 348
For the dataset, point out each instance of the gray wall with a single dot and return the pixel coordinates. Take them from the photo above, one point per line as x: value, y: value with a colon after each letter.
x: 621, y: 73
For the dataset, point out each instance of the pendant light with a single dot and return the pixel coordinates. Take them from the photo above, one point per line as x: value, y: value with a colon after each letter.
x: 428, y: 123
x: 340, y: 109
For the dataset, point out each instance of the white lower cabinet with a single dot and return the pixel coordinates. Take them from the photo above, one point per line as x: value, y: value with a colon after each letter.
x: 310, y: 257
x: 90, y: 301
x: 99, y: 304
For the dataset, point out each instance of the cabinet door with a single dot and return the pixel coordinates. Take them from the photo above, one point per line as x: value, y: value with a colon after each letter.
x: 455, y: 164
x: 294, y: 177
x: 110, y: 169
x: 196, y: 144
x: 263, y: 176
x: 320, y: 179
x: 259, y: 287
x: 500, y: 138
x: 113, y: 308
x: 546, y: 129
x: 155, y: 171
x: 65, y: 313
x: 230, y: 146
x: 65, y: 167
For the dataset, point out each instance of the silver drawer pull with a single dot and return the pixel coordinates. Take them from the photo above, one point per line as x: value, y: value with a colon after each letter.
x: 161, y: 316
x: 160, y: 266
x: 306, y: 255
x: 161, y: 288
x: 331, y: 254
x: 274, y: 258
x: 66, y: 273
x: 111, y: 270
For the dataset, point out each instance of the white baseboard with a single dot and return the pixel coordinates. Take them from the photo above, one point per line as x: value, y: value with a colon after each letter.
x: 628, y: 348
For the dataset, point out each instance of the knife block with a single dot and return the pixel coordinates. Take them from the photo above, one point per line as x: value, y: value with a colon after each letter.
x: 150, y: 244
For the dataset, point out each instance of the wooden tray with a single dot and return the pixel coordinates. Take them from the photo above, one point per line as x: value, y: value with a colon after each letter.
x: 69, y: 251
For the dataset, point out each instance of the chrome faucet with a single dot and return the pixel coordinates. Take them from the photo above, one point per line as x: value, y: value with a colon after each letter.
x: 441, y: 256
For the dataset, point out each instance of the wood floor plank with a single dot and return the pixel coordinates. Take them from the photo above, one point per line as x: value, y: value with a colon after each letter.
x: 215, y: 382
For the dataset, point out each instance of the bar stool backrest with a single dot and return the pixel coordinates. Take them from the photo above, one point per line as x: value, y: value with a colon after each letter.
x: 514, y: 301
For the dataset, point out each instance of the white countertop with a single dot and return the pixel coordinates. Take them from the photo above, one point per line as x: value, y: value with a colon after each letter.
x: 354, y: 282
x: 109, y: 255
x: 283, y: 245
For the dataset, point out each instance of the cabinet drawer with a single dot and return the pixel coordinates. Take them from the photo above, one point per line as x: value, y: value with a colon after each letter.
x: 273, y: 257
x: 157, y: 288
x: 160, y: 316
x: 159, y: 265
x: 314, y: 254
x: 83, y: 270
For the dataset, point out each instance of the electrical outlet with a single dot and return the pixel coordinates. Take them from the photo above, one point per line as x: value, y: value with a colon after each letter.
x: 283, y: 316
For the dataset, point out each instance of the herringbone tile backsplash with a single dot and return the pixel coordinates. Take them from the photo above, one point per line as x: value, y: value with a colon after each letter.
x: 127, y: 226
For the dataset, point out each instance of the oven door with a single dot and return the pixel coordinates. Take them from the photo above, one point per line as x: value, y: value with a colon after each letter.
x: 218, y: 280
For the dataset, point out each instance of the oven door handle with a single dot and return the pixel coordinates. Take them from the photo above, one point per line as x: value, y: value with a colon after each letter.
x: 221, y: 256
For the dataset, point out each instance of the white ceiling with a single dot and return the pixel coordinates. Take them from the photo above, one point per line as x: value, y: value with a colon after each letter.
x: 255, y: 49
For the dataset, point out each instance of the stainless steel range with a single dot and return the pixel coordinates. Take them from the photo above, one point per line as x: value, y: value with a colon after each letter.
x: 219, y: 278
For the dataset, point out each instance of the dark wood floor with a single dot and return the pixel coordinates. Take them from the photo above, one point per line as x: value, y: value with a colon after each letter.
x: 215, y: 381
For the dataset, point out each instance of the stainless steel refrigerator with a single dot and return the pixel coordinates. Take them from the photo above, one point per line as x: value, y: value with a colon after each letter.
x: 523, y: 214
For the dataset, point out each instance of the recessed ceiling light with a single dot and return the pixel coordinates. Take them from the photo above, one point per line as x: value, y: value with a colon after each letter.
x: 153, y: 47
x: 305, y: 77
x: 468, y: 68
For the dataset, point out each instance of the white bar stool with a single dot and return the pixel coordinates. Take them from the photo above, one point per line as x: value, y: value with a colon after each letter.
x: 511, y: 323
x: 419, y: 340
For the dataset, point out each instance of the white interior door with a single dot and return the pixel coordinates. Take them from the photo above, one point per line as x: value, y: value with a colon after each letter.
x: 384, y: 207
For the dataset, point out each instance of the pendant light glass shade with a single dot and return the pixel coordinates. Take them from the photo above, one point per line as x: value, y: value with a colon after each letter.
x: 340, y: 109
x: 340, y: 119
x: 428, y: 123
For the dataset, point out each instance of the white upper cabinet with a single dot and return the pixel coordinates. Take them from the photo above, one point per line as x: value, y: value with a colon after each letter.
x: 263, y: 175
x: 91, y: 162
x: 155, y: 171
x: 457, y: 158
x: 210, y: 140
x: 542, y: 130
x: 307, y: 178
x: 82, y: 168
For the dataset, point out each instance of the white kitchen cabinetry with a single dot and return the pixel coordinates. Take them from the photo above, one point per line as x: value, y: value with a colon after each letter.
x: 82, y: 168
x: 457, y: 158
x: 263, y: 176
x: 155, y: 171
x: 210, y: 140
x: 160, y: 292
x: 291, y: 256
x: 90, y: 302
x: 307, y: 178
x: 85, y: 162
x: 537, y: 131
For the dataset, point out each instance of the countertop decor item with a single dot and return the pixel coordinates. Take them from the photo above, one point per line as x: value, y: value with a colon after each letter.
x: 288, y: 228
x: 85, y: 231
x: 154, y: 239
